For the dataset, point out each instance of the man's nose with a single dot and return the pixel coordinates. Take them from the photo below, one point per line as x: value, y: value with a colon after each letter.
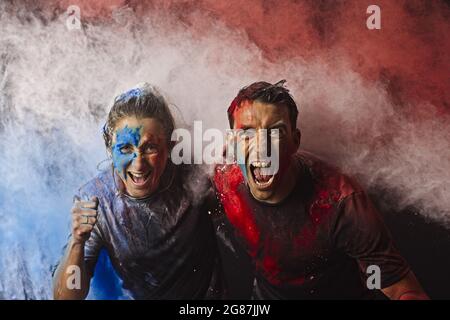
x: 262, y: 144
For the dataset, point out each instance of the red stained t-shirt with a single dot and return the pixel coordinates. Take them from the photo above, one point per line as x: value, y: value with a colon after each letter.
x: 315, y: 244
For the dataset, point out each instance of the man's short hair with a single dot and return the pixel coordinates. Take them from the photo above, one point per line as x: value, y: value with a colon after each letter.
x: 265, y: 92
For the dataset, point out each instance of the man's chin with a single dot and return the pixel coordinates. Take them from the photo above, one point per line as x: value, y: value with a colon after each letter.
x: 261, y: 193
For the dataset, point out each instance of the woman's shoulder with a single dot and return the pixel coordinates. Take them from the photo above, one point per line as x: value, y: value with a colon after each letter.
x: 102, y: 185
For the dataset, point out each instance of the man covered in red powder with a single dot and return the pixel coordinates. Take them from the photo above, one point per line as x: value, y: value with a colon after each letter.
x: 311, y: 232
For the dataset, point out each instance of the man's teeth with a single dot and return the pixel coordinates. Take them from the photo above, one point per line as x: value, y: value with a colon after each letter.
x: 257, y: 170
x: 261, y: 164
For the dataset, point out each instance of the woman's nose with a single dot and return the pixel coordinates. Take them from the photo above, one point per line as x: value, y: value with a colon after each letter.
x: 139, y: 162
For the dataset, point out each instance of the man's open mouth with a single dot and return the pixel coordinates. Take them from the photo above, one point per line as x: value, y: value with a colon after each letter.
x: 257, y: 169
x: 139, y: 179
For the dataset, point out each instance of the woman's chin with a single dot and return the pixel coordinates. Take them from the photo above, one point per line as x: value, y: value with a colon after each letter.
x: 140, y: 193
x: 140, y: 190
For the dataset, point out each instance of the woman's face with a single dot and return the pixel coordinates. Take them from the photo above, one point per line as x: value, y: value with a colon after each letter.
x: 139, y: 152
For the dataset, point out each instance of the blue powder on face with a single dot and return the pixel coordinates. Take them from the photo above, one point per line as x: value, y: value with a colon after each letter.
x: 244, y: 171
x: 124, y: 137
x: 241, y: 164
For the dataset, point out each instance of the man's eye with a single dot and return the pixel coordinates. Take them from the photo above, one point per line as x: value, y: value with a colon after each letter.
x: 248, y: 134
x: 274, y: 133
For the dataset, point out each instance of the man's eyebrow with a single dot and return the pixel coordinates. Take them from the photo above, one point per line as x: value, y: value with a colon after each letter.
x: 244, y: 126
x: 278, y: 125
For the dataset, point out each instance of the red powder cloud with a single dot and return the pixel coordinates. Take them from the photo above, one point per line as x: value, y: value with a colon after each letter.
x: 409, y: 54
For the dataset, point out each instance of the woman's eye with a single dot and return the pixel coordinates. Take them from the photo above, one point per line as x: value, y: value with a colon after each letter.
x: 126, y: 149
x: 150, y: 149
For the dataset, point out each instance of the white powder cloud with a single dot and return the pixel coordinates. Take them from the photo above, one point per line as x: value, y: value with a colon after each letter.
x: 56, y: 86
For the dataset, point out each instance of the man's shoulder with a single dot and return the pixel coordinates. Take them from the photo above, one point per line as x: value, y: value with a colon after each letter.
x: 328, y: 178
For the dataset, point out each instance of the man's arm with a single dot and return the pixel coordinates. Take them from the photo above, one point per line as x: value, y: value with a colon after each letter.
x: 65, y: 283
x: 361, y: 232
x: 406, y: 289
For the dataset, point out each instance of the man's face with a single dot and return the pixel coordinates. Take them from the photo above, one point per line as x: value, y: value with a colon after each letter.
x: 253, y: 117
x: 140, y: 153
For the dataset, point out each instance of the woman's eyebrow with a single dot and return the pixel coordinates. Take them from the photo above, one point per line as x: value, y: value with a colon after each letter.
x: 152, y: 139
x: 146, y: 142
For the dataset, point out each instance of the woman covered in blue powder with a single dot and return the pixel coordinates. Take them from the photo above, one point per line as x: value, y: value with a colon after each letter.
x: 159, y: 238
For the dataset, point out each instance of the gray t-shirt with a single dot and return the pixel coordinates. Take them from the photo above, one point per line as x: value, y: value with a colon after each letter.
x: 162, y: 247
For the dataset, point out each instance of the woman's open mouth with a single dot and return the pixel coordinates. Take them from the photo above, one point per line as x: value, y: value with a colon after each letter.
x: 263, y: 181
x: 139, y: 179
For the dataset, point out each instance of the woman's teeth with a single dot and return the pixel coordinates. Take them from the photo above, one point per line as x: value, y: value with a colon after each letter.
x: 139, y: 178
